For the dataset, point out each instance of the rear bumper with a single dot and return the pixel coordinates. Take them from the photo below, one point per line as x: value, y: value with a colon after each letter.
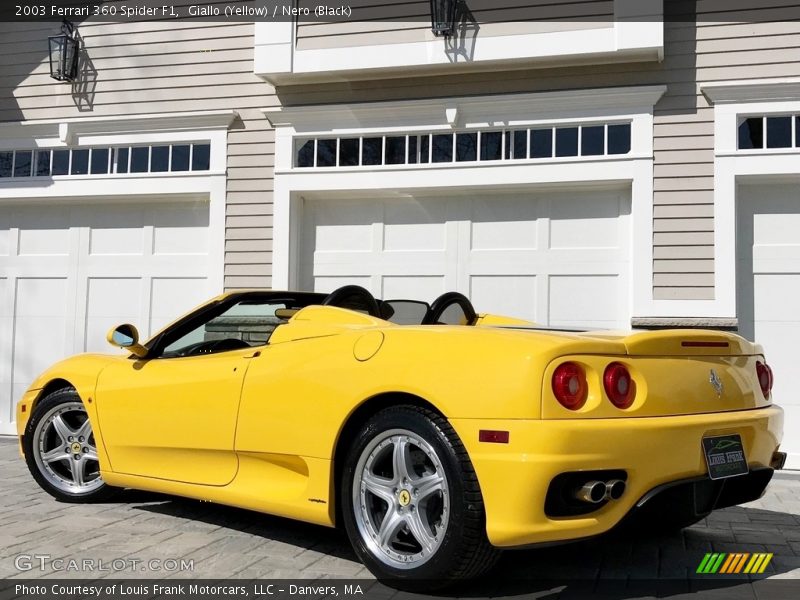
x: 652, y: 451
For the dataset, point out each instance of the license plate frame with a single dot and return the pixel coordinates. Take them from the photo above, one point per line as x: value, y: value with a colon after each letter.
x: 725, y: 456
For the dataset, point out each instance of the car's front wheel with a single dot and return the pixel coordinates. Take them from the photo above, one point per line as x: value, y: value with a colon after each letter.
x: 60, y: 449
x: 411, y: 502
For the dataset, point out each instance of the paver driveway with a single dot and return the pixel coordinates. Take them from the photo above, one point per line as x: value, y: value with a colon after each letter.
x: 226, y: 542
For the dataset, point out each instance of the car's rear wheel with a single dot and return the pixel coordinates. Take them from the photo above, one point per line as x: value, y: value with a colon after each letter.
x: 411, y: 503
x: 60, y: 449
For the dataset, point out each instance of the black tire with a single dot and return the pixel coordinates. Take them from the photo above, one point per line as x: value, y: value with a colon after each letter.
x: 95, y: 490
x: 464, y: 551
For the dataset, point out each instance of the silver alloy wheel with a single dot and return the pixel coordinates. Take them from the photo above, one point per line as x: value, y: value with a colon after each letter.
x: 64, y: 449
x: 401, y: 500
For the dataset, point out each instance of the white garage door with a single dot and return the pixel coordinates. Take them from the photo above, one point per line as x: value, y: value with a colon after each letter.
x: 769, y: 291
x: 558, y: 258
x: 68, y: 273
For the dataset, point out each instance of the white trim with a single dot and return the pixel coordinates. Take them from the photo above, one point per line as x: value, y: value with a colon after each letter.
x: 752, y: 90
x: 636, y: 34
x: 473, y: 111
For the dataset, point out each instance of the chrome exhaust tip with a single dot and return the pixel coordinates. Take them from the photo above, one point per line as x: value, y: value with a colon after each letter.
x: 593, y: 492
x: 614, y: 489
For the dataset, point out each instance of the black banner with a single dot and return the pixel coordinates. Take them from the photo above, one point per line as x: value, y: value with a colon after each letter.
x: 475, y: 11
x: 232, y: 589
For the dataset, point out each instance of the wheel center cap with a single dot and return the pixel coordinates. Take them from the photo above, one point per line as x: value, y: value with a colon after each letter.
x: 75, y: 447
x: 404, y: 498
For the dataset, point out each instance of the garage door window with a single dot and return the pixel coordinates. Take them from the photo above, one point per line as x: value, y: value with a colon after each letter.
x: 590, y: 140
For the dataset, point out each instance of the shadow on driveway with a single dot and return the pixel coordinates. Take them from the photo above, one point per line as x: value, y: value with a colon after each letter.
x: 616, y: 565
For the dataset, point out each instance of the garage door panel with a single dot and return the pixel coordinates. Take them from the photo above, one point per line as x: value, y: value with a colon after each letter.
x: 5, y: 235
x: 44, y: 234
x: 585, y: 224
x: 504, y: 223
x: 592, y: 300
x: 180, y: 230
x: 172, y: 296
x: 325, y: 284
x: 40, y: 326
x: 505, y: 294
x: 412, y: 287
x: 771, y: 291
x: 109, y: 302
x: 413, y: 225
x: 116, y: 231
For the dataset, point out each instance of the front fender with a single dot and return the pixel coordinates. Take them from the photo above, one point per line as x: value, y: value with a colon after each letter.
x: 79, y: 372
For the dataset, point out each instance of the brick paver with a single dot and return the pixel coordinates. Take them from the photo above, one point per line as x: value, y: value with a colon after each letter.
x: 227, y: 542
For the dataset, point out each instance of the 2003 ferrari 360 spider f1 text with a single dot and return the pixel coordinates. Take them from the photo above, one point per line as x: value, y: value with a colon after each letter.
x: 434, y: 435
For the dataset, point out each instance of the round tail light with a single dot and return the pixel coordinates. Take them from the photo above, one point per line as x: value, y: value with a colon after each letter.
x: 618, y: 385
x: 569, y: 386
x: 764, y: 378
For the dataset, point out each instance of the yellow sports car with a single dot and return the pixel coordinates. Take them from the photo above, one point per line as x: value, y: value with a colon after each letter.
x: 434, y: 435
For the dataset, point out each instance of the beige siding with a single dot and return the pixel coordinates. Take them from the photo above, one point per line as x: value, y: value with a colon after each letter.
x: 165, y: 67
x: 402, y: 21
x: 721, y: 46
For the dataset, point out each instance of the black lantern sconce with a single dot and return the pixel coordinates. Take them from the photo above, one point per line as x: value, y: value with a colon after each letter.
x: 443, y: 17
x: 64, y: 50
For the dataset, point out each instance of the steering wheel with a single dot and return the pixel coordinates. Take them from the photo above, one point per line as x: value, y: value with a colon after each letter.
x: 214, y: 346
x: 445, y: 301
x: 353, y: 297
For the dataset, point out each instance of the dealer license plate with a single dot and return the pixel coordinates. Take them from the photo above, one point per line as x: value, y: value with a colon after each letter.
x: 725, y: 456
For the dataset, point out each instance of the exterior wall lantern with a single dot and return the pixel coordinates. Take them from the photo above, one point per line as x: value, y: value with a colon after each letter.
x: 64, y: 50
x: 443, y: 17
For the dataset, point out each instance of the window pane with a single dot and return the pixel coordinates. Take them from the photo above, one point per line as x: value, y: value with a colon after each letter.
x: 99, y: 164
x: 43, y: 163
x: 507, y: 145
x: 779, y: 132
x: 180, y: 158
x: 592, y: 140
x: 23, y: 162
x: 201, y: 157
x: 122, y: 160
x: 139, y: 159
x: 466, y: 147
x: 566, y: 141
x: 60, y: 162
x: 541, y: 143
x: 159, y: 159
x: 6, y: 163
x: 520, y: 144
x: 424, y: 143
x: 396, y: 150
x: 372, y: 151
x: 619, y: 139
x: 326, y: 153
x: 348, y: 152
x: 442, y: 148
x: 751, y: 134
x: 305, y: 154
x: 797, y: 131
x: 492, y: 145
x: 80, y: 162
x: 412, y: 149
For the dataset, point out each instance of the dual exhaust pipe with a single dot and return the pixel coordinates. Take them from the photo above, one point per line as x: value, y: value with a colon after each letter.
x: 595, y: 492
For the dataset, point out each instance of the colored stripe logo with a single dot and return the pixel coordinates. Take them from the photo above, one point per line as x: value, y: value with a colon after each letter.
x: 734, y: 562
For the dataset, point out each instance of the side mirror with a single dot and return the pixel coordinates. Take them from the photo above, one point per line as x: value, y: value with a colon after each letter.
x: 126, y: 336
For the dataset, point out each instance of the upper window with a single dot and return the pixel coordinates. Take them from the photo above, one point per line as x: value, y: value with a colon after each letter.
x: 164, y: 158
x: 589, y: 140
x: 769, y: 132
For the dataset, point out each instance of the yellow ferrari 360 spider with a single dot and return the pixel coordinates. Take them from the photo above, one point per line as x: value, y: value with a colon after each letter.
x: 434, y: 435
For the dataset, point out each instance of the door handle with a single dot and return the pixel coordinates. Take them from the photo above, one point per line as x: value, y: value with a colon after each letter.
x: 255, y: 354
